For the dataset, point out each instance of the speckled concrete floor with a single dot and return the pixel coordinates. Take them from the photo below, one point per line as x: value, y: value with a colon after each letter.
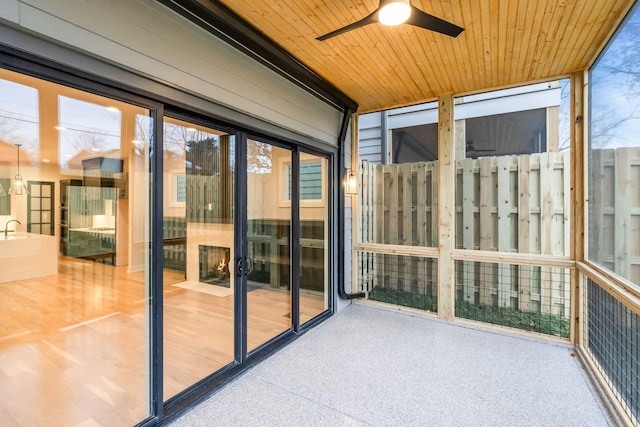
x: 376, y: 366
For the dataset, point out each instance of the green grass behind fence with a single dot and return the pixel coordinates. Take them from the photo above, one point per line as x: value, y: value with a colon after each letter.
x: 534, y: 322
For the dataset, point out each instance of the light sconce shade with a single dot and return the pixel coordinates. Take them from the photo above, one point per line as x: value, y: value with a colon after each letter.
x: 350, y: 182
x: 18, y: 187
x: 394, y: 12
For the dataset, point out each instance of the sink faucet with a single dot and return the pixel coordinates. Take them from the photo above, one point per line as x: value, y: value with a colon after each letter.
x: 6, y: 226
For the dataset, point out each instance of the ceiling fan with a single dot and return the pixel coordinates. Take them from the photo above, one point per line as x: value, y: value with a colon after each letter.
x: 396, y: 12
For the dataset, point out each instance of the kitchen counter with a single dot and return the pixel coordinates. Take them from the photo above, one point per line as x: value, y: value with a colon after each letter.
x: 27, y: 256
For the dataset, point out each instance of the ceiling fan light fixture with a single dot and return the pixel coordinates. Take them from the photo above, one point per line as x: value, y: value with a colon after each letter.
x: 394, y: 12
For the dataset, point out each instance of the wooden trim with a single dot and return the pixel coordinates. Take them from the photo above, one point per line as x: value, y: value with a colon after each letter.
x: 512, y: 331
x: 469, y: 255
x: 602, y: 386
x: 578, y: 173
x: 578, y: 150
x: 418, y: 251
x: 626, y: 293
x: 446, y: 208
x: 513, y: 258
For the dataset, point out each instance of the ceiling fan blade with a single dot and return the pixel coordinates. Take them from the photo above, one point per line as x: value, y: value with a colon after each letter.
x: 429, y: 22
x: 370, y: 19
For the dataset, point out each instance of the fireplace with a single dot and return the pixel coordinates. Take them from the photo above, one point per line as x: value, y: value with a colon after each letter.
x: 214, y: 265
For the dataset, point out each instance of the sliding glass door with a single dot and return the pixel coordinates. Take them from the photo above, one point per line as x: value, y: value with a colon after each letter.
x: 198, y: 249
x: 268, y: 242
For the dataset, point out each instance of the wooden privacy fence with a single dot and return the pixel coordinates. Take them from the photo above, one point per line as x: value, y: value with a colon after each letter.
x: 614, y: 210
x: 507, y: 204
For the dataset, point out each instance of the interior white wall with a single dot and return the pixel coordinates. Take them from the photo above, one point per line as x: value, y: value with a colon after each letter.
x: 148, y: 38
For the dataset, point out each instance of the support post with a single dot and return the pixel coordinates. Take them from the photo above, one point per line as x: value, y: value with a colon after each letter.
x: 577, y: 208
x: 446, y: 208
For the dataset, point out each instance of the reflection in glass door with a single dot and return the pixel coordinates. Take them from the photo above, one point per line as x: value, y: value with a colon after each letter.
x: 314, y: 210
x: 269, y: 240
x: 74, y: 330
x: 198, y: 243
x: 40, y: 207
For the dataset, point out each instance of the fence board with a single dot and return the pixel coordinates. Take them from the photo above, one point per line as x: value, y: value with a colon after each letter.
x: 420, y: 171
x: 486, y: 225
x: 406, y: 232
x: 622, y: 211
x: 524, y: 231
x: 511, y: 203
x: 468, y: 227
x: 504, y: 227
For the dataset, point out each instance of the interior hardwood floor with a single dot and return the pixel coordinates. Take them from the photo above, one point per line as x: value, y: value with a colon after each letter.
x: 74, y: 347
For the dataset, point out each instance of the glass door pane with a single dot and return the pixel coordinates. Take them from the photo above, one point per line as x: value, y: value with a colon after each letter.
x: 269, y: 240
x: 74, y: 323
x: 198, y: 231
x: 314, y: 208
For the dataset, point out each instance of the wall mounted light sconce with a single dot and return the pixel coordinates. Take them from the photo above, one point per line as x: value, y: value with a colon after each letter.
x: 350, y: 182
x: 18, y: 187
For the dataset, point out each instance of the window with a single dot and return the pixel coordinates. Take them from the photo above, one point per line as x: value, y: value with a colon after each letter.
x: 181, y: 188
x: 311, y: 172
x: 614, y: 149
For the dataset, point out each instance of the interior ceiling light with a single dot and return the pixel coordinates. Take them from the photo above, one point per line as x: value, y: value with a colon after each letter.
x: 18, y: 187
x: 394, y: 12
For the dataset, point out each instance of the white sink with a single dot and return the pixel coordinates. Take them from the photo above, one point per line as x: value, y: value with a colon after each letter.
x: 27, y: 256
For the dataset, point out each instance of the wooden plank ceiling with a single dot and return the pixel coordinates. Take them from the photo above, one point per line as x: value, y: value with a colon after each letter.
x: 505, y: 43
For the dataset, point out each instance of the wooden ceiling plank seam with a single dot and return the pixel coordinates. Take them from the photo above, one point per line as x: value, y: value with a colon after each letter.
x: 533, y: 35
x: 421, y: 60
x: 429, y: 54
x: 474, y: 50
x: 477, y: 30
x: 590, y: 20
x: 346, y: 67
x: 568, y: 60
x: 460, y: 47
x: 560, y: 37
x: 407, y: 35
x: 626, y: 6
x: 307, y: 54
x: 523, y: 33
x: 447, y: 53
x: 512, y: 65
x: 597, y: 20
x: 501, y: 58
x: 483, y: 17
x: 543, y: 36
x: 382, y: 76
x: 266, y: 22
x: 550, y: 49
x: 494, y: 30
x: 356, y: 49
x: 395, y: 55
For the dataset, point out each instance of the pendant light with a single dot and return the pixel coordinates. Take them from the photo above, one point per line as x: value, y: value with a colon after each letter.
x: 18, y: 187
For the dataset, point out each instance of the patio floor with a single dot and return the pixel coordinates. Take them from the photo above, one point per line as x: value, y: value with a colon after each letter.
x: 371, y: 365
